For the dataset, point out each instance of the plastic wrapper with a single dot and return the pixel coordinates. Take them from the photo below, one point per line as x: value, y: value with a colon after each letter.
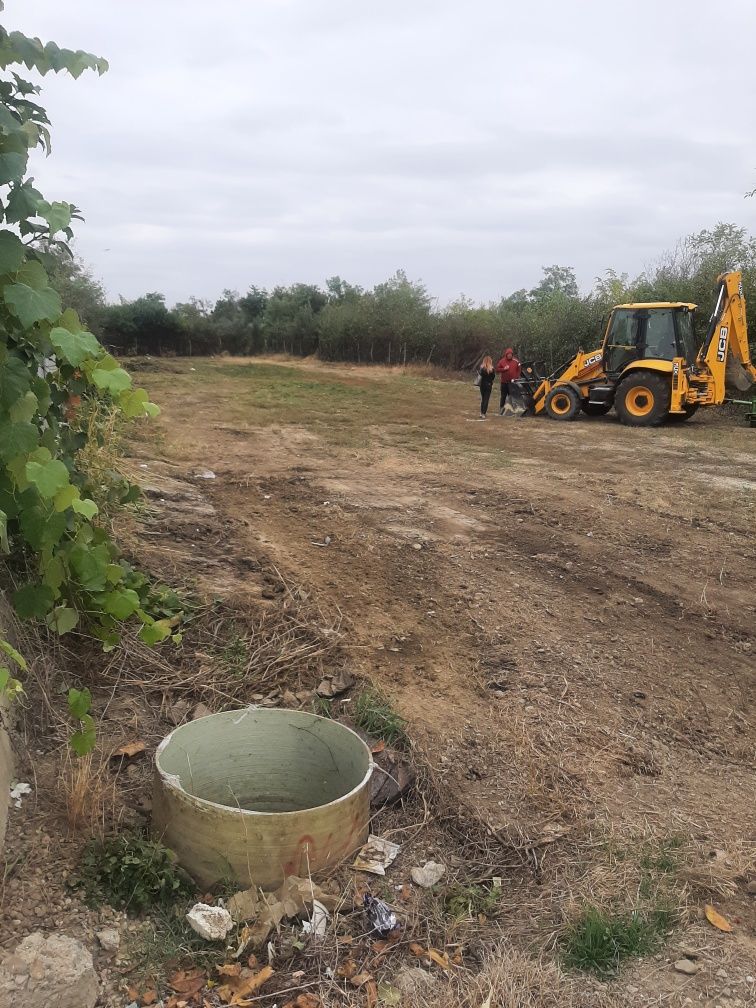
x: 380, y: 916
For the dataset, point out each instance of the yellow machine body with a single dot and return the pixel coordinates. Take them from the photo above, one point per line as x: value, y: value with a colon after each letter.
x: 648, y: 367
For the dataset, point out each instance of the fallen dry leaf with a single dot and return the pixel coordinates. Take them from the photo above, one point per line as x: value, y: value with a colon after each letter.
x: 133, y: 994
x: 130, y: 749
x: 305, y: 1001
x: 237, y: 988
x: 378, y: 747
x: 719, y: 922
x: 417, y: 950
x: 371, y: 991
x: 440, y: 958
x: 188, y: 981
x: 348, y: 969
x: 231, y: 969
x: 149, y: 997
x: 360, y: 979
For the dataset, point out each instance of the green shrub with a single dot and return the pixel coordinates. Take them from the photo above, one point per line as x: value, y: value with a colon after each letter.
x: 598, y: 941
x: 131, y: 873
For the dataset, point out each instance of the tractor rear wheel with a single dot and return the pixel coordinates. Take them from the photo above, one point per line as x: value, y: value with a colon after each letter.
x: 562, y: 403
x: 642, y: 399
x: 595, y: 408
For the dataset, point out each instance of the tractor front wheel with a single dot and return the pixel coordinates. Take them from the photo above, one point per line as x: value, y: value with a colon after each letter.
x: 562, y: 403
x: 642, y: 399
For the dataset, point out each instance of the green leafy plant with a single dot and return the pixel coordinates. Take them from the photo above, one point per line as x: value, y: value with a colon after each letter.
x: 374, y: 714
x: 11, y: 687
x: 598, y: 941
x: 461, y: 901
x: 131, y: 873
x: 50, y: 365
x: 84, y: 738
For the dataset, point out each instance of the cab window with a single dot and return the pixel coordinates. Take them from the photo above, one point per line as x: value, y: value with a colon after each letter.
x: 659, y: 339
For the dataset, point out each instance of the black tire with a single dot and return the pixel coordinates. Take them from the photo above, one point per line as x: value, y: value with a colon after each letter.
x: 690, y: 411
x: 642, y: 399
x: 595, y: 408
x: 563, y: 403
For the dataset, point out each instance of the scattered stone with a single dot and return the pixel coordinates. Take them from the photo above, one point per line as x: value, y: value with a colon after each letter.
x: 427, y: 876
x: 414, y: 980
x: 687, y: 966
x: 201, y: 710
x: 333, y: 686
x: 751, y: 888
x: 210, y: 922
x: 177, y: 713
x: 109, y: 939
x: 44, y: 971
x: 688, y: 952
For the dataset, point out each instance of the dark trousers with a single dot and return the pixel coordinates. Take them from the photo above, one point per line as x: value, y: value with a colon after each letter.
x: 504, y: 393
x: 485, y: 395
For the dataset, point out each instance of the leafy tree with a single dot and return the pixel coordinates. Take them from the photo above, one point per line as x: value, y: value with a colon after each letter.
x: 77, y: 287
x: 290, y: 319
x: 51, y: 367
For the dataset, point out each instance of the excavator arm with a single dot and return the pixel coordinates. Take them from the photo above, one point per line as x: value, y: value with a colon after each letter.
x: 727, y: 333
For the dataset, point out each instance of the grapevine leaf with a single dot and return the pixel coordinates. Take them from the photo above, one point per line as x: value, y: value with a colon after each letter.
x: 17, y: 439
x: 76, y: 347
x: 79, y: 702
x: 12, y: 252
x: 84, y: 740
x: 30, y: 306
x: 33, y: 601
x: 114, y: 573
x: 48, y: 477
x: 121, y: 604
x: 63, y: 619
x: 33, y: 274
x: 57, y: 215
x: 22, y: 203
x: 90, y: 565
x: 14, y: 380
x: 111, y: 381
x: 13, y: 654
x: 85, y: 507
x: 53, y: 573
x: 65, y: 497
x: 23, y: 409
x: 40, y: 527
x: 153, y: 633
x: 12, y: 167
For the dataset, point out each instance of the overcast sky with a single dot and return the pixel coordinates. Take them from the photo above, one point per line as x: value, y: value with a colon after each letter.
x: 469, y: 142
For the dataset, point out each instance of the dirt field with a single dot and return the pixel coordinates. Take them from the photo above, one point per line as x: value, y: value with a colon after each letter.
x: 564, y: 614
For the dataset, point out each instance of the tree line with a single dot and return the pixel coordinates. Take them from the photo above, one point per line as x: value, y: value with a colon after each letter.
x: 397, y: 322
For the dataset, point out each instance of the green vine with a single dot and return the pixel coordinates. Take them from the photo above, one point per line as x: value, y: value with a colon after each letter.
x: 51, y: 368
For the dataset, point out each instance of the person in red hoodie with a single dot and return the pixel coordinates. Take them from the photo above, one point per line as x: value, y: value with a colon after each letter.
x: 508, y: 369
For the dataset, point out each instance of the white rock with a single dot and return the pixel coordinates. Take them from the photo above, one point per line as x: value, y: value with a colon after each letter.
x: 687, y: 966
x: 210, y: 922
x: 109, y: 939
x: 428, y: 875
x: 42, y: 972
x: 414, y: 980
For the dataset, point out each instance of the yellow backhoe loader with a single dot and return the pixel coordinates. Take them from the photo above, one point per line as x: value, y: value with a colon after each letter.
x: 649, y: 368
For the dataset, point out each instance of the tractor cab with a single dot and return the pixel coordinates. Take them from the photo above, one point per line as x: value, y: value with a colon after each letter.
x: 653, y: 331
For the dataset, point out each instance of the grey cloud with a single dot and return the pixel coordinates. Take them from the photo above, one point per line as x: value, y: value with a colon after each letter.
x: 281, y: 140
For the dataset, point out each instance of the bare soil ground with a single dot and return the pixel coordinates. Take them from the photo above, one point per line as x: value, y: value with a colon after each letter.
x: 563, y: 614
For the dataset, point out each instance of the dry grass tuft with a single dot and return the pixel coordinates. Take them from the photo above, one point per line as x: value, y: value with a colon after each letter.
x: 90, y: 794
x: 510, y: 979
